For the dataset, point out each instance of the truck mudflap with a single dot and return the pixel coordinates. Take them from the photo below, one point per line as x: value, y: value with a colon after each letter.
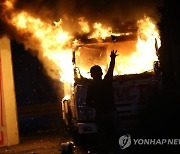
x: 84, y: 128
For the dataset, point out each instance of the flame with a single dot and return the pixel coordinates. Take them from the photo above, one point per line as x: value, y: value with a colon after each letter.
x: 66, y: 97
x: 56, y: 44
x: 52, y: 40
x: 84, y: 25
x: 101, y: 32
x: 9, y: 4
x: 142, y: 59
x: 134, y: 56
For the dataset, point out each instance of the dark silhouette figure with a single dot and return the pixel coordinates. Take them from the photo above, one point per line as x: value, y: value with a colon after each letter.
x: 100, y: 97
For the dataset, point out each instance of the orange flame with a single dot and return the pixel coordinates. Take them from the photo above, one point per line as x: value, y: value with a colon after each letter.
x: 84, y: 25
x: 134, y: 56
x: 142, y: 59
x: 52, y: 41
x: 56, y: 44
x: 101, y: 32
x: 9, y: 4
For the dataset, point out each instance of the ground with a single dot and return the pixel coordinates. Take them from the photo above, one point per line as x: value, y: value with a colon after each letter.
x: 43, y: 142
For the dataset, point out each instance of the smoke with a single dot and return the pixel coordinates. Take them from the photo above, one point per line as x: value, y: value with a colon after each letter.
x: 91, y: 9
x: 110, y: 12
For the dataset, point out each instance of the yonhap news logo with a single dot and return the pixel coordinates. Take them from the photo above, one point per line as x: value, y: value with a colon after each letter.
x: 125, y: 141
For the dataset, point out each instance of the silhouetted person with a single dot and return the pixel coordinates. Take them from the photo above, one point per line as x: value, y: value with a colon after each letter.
x: 100, y: 97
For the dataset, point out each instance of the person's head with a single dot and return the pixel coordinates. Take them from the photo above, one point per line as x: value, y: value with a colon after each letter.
x: 96, y: 72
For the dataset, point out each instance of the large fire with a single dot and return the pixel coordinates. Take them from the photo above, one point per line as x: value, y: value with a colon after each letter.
x: 56, y: 44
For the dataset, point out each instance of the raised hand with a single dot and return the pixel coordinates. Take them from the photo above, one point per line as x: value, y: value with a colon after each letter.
x: 113, y: 54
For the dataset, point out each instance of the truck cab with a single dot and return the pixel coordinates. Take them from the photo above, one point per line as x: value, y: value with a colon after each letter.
x: 132, y: 93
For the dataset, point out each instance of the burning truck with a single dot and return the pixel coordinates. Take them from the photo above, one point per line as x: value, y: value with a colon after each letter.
x: 69, y: 47
x: 137, y: 77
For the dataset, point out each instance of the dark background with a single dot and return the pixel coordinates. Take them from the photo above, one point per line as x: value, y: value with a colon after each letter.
x: 31, y: 82
x: 37, y: 95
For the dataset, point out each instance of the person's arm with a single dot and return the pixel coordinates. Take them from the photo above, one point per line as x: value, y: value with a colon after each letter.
x: 111, y: 65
